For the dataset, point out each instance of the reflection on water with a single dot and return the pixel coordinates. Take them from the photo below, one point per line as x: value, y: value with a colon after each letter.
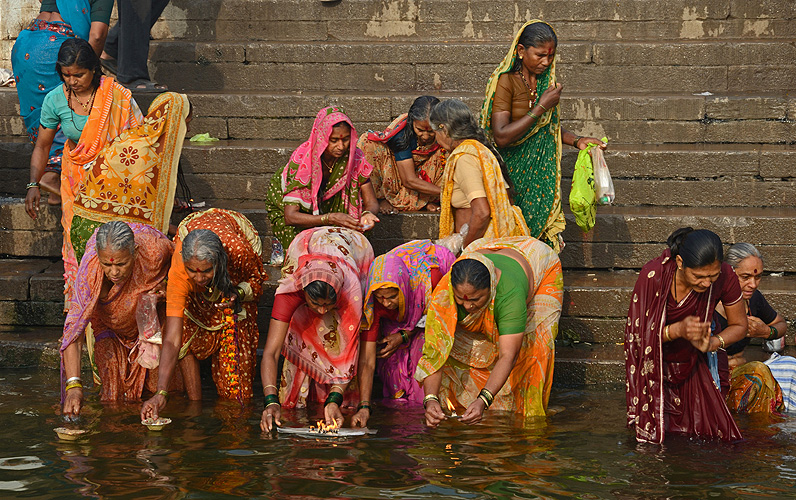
x: 215, y: 450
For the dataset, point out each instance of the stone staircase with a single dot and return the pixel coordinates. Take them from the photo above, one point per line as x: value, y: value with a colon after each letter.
x: 693, y: 95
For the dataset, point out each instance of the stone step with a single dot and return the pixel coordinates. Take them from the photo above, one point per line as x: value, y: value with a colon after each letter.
x: 623, y: 237
x: 739, y: 175
x: 627, y: 118
x: 227, y: 20
x: 431, y: 66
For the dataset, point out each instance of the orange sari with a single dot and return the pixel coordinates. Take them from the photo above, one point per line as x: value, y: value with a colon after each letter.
x: 114, y: 111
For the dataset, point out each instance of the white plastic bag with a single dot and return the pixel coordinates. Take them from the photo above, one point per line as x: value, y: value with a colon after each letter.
x: 150, y: 336
x: 455, y: 241
x: 603, y: 185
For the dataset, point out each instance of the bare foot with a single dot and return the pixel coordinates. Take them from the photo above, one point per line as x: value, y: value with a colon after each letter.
x: 386, y: 207
x: 432, y: 207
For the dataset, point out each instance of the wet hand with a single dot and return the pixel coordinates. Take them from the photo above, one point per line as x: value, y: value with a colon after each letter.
x: 434, y: 414
x: 551, y: 96
x: 474, y: 413
x: 360, y: 418
x: 32, y: 200
x: 391, y: 343
x: 332, y: 413
x: 152, y: 406
x: 73, y: 402
x: 272, y: 417
x: 696, y: 332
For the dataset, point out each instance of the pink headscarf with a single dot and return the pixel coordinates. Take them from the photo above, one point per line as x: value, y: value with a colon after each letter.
x: 304, y: 167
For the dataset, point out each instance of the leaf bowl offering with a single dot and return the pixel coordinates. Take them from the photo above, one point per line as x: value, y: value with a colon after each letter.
x: 70, y: 434
x: 156, y: 424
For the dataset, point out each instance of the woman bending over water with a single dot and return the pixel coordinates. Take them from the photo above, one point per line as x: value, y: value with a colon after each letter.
x: 490, y: 329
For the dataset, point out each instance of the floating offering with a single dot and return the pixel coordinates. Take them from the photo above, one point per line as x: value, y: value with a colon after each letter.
x: 70, y: 434
x: 452, y: 409
x: 321, y: 430
x: 156, y: 424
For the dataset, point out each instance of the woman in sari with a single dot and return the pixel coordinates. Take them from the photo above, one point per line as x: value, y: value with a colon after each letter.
x: 215, y: 284
x: 91, y: 111
x: 315, y: 323
x: 123, y: 262
x: 752, y: 387
x: 399, y: 284
x: 476, y: 188
x: 407, y: 162
x: 672, y: 385
x: 490, y: 329
x: 325, y: 183
x: 33, y: 60
x: 522, y: 115
x: 134, y: 178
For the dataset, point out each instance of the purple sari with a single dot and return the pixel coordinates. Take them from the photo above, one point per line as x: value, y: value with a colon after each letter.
x: 408, y: 268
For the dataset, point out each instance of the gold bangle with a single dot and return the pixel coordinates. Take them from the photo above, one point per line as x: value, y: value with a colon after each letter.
x: 483, y: 398
x: 540, y: 105
x: 163, y: 393
x: 324, y: 218
x: 73, y: 385
x: 532, y: 114
x: 31, y: 185
x: 721, y: 339
x: 272, y: 404
x: 271, y: 385
x: 430, y: 397
x: 666, y: 333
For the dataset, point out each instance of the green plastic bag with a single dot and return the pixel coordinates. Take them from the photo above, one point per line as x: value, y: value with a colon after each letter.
x: 582, y: 198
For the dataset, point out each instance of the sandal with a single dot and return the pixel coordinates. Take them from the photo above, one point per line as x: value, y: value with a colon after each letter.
x: 109, y: 64
x: 142, y: 85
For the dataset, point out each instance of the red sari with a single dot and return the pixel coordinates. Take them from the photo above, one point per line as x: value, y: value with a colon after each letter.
x: 669, y: 386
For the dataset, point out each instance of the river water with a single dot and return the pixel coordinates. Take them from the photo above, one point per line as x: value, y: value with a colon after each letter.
x: 214, y: 450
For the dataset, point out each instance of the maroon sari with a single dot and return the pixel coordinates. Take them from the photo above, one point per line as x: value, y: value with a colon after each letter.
x: 669, y: 387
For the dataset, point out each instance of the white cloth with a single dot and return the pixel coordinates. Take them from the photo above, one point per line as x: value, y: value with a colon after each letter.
x: 783, y: 368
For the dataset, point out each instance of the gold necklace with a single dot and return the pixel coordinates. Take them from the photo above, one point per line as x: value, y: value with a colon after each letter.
x: 532, y: 94
x: 89, y: 101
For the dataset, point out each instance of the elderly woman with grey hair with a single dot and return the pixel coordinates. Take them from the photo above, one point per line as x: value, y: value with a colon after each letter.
x: 476, y: 188
x: 752, y: 386
x: 122, y: 262
x: 215, y: 284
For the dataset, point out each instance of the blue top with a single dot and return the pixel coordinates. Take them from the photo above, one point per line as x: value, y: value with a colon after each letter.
x: 405, y: 154
x: 55, y: 111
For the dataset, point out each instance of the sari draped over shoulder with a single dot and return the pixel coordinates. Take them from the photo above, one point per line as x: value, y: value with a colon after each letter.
x: 429, y: 166
x: 113, y: 112
x: 323, y: 350
x: 206, y: 331
x: 506, y: 219
x: 669, y: 386
x: 113, y: 320
x: 134, y: 178
x: 534, y: 161
x: 33, y: 59
x: 299, y: 182
x: 407, y: 268
x: 466, y: 351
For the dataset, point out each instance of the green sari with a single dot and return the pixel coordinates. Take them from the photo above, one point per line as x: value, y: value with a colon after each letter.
x: 534, y: 161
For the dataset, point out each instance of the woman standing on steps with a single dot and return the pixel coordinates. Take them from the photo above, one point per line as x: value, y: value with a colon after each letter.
x: 522, y: 115
x: 670, y: 386
x: 325, y: 183
x: 475, y: 187
x: 91, y: 111
x: 407, y: 162
x: 34, y: 59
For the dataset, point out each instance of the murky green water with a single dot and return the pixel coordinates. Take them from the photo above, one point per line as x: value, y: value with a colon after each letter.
x: 215, y: 450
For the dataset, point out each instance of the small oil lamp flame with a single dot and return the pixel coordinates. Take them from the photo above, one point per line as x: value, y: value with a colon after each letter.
x: 451, y: 408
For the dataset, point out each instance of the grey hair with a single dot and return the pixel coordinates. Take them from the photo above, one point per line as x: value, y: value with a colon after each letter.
x: 460, y: 123
x: 740, y: 251
x: 204, y: 244
x: 115, y: 235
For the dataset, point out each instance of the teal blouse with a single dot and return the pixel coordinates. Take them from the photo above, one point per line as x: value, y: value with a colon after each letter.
x: 55, y: 110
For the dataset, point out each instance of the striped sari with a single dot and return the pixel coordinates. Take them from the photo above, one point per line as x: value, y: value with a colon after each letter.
x: 467, y: 351
x: 534, y: 162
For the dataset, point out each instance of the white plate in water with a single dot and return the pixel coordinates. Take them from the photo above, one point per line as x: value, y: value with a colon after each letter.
x: 341, y: 433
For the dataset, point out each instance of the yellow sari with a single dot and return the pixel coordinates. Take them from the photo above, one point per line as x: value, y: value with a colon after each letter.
x: 467, y: 351
x: 507, y: 219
